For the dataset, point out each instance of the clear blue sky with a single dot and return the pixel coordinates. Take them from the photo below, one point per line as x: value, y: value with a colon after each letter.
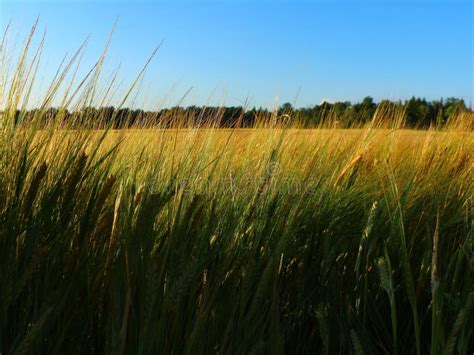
x: 268, y: 51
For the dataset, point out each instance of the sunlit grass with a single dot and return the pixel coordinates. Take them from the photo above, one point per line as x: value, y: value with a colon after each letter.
x: 206, y: 240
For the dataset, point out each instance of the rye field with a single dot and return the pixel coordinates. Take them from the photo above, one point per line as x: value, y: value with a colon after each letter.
x: 236, y: 241
x: 196, y: 240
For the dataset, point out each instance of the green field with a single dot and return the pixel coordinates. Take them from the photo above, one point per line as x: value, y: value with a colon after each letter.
x: 236, y: 241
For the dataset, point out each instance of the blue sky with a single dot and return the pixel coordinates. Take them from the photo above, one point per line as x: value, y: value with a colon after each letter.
x: 266, y: 52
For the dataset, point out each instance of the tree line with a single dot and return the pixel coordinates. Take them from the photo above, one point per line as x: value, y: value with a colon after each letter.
x: 416, y: 113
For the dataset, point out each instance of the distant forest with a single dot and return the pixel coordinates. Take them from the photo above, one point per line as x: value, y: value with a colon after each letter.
x: 416, y: 113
